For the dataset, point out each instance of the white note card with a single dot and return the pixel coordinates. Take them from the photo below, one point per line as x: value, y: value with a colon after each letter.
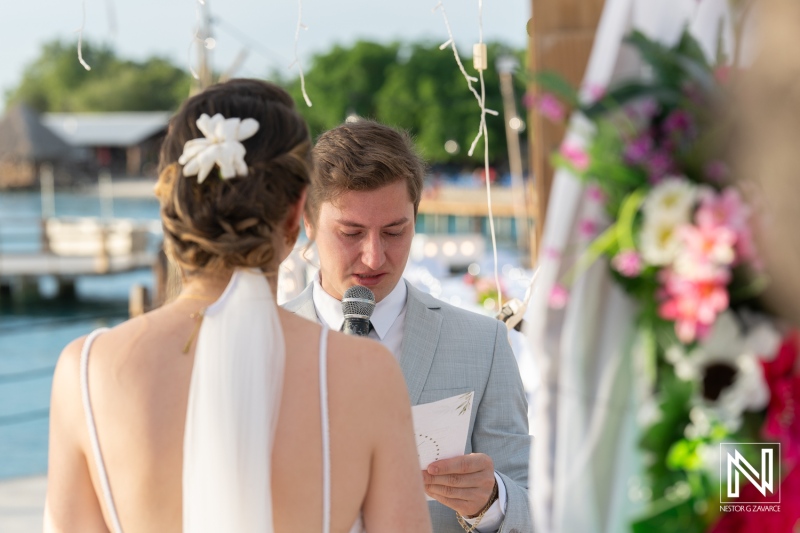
x: 441, y: 428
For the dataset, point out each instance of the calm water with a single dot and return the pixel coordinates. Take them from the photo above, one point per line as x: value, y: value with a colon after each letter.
x: 32, y: 335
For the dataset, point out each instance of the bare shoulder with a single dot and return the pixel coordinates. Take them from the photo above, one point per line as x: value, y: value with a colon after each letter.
x: 357, y: 365
x: 367, y: 367
x: 67, y: 372
x: 65, y: 400
x: 367, y: 355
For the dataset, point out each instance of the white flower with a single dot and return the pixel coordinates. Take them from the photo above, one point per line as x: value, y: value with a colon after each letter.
x: 763, y: 338
x: 659, y: 241
x: 726, y: 346
x: 671, y: 200
x: 221, y: 146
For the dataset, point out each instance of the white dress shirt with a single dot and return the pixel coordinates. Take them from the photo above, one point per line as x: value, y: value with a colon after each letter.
x: 388, y: 320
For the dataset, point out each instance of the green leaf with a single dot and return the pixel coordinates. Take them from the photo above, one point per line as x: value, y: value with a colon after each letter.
x: 672, y: 67
x: 599, y: 246
x: 689, y: 47
x: 630, y: 91
x: 627, y: 214
x: 668, y: 517
x: 553, y: 82
x: 685, y: 455
x: 660, y: 58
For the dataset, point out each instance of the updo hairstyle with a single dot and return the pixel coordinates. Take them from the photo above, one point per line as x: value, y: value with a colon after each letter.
x: 221, y: 224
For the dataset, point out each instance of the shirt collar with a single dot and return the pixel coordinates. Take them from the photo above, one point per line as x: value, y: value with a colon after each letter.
x: 329, y: 309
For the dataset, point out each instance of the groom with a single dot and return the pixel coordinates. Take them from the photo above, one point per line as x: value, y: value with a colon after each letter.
x: 361, y: 210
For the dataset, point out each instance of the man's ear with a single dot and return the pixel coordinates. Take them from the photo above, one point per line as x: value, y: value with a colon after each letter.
x: 309, y: 228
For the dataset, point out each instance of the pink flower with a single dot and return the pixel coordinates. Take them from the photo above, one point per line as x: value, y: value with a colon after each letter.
x: 550, y: 107
x: 528, y: 100
x: 707, y: 245
x: 595, y: 92
x: 587, y: 228
x: 723, y: 209
x: 558, y: 297
x: 576, y: 155
x: 552, y: 253
x: 628, y: 263
x: 727, y: 209
x: 693, y: 304
x: 637, y: 151
x: 595, y: 193
x: 679, y: 122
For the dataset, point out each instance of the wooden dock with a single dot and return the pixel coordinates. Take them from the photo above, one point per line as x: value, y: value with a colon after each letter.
x: 469, y: 202
x: 69, y: 248
x: 50, y: 264
x: 22, y: 504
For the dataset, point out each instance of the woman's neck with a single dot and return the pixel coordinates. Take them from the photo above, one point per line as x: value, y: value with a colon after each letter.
x: 211, y: 286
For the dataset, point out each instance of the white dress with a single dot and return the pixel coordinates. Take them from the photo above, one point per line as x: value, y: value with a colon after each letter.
x: 234, y: 400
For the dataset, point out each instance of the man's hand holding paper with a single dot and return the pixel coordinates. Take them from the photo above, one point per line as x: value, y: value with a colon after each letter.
x: 464, y: 483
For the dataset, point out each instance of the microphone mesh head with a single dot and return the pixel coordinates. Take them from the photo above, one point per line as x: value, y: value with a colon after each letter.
x: 358, y: 307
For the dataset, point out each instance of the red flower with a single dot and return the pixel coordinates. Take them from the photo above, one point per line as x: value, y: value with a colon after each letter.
x: 783, y: 420
x: 752, y: 522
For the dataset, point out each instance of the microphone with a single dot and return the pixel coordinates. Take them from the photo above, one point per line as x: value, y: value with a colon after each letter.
x: 357, y: 306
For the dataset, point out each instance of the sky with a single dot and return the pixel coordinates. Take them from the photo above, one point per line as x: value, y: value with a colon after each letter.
x: 138, y: 29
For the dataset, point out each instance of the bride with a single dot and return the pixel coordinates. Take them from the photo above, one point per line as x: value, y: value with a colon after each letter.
x: 220, y: 411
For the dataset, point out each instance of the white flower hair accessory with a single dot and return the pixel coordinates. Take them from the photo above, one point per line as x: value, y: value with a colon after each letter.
x: 221, y: 146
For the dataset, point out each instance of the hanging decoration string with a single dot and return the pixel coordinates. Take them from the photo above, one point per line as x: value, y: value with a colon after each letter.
x: 80, y: 39
x: 112, y: 18
x: 480, y: 64
x: 195, y: 40
x: 296, y: 57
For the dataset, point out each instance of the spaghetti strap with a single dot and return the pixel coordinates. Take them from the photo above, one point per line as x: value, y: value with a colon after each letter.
x: 326, y: 437
x: 92, y: 427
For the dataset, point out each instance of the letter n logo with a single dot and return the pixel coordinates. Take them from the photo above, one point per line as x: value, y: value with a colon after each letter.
x: 740, y: 471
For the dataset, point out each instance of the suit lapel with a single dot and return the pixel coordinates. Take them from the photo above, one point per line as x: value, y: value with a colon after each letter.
x: 420, y: 338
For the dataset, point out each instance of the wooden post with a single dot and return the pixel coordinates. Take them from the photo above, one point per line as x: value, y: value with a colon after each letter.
x: 133, y: 160
x: 138, y: 301
x: 561, y: 38
x: 506, y: 66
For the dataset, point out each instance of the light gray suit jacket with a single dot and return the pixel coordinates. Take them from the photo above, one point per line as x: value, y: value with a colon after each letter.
x: 448, y: 351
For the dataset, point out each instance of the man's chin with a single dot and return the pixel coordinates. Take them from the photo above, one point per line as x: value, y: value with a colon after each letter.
x: 380, y: 286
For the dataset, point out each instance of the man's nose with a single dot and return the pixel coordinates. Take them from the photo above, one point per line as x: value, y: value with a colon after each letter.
x: 373, y: 254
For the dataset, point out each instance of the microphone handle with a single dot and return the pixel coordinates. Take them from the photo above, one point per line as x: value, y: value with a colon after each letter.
x: 356, y: 326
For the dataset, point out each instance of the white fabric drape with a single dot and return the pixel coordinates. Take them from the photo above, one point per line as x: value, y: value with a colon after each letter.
x: 585, y: 454
x: 234, y: 402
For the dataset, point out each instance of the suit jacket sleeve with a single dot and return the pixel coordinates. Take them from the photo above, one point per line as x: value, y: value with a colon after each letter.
x: 501, y: 432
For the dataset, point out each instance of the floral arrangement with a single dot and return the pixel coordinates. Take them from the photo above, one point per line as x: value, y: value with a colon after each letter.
x: 678, y: 238
x: 486, y: 290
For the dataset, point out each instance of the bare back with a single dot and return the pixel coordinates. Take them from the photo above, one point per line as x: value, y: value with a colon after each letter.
x: 139, y: 381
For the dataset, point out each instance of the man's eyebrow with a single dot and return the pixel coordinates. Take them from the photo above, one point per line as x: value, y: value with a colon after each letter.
x: 353, y: 224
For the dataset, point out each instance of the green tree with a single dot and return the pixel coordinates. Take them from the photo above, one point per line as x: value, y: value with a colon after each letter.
x: 428, y: 95
x: 56, y: 82
x: 416, y: 87
x: 344, y: 81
